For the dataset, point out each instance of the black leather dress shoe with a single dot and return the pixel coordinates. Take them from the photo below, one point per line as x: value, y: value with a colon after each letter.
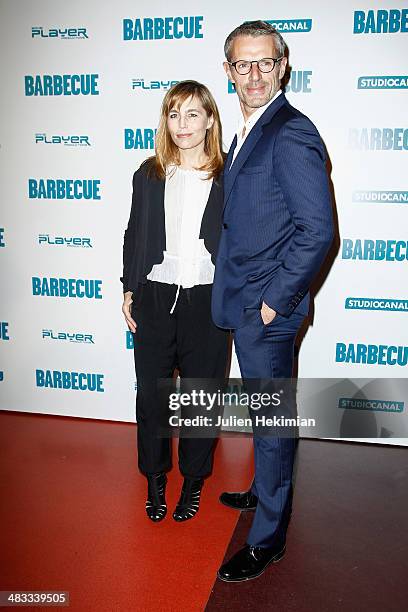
x: 250, y: 562
x: 240, y: 501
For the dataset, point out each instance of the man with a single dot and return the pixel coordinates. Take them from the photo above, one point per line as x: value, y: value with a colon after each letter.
x: 277, y: 228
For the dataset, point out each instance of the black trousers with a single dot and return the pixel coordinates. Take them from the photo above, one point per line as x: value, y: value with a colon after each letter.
x: 187, y: 340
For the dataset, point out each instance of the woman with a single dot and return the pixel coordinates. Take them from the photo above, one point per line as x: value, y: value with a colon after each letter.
x: 169, y: 253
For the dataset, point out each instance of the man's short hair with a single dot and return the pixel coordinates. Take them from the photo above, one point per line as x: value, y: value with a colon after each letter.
x: 255, y: 28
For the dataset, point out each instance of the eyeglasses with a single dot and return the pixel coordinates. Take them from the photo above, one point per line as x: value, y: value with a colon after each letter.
x: 267, y: 64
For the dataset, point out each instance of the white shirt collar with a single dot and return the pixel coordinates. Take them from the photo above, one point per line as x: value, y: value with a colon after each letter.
x: 255, y: 116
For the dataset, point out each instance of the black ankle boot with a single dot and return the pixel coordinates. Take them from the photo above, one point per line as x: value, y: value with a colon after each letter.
x: 189, y: 501
x: 156, y: 508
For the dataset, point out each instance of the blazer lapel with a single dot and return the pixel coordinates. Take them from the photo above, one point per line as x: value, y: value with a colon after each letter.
x: 157, y: 209
x: 249, y: 144
x: 228, y: 161
x: 211, y: 222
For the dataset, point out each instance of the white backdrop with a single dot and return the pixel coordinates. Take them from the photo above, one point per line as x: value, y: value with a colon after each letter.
x: 82, y: 137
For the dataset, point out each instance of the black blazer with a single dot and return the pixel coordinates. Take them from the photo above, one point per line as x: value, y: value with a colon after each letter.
x: 145, y: 236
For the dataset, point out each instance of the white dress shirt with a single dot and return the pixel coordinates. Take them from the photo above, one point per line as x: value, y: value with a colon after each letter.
x: 242, y: 133
x: 186, y: 261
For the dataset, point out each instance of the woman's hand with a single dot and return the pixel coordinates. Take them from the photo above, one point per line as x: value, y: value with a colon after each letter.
x: 127, y: 302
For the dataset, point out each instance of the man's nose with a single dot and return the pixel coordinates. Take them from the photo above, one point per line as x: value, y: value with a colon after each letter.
x: 255, y: 73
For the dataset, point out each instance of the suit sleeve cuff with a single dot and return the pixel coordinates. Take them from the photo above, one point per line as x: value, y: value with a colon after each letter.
x: 284, y: 309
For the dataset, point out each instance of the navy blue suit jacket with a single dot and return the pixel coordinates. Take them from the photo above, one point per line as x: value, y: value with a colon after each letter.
x: 277, y: 218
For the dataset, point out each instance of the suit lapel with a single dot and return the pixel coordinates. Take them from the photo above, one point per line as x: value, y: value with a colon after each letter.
x: 249, y: 144
x: 243, y: 154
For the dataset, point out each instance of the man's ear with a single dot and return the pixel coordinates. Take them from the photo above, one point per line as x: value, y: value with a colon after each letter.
x: 227, y: 69
x: 282, y: 67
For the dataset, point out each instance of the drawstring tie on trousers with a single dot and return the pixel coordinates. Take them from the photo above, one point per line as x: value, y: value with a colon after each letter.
x: 175, y: 299
x: 188, y: 294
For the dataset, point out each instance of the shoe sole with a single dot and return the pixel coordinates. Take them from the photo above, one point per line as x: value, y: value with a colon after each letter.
x: 251, y: 509
x: 274, y: 559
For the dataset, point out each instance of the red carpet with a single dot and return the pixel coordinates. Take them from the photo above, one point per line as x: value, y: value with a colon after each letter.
x: 73, y: 518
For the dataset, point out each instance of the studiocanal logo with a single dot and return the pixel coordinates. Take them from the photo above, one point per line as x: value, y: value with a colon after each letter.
x: 2, y: 240
x: 4, y: 331
x: 139, y: 138
x: 61, y: 85
x: 141, y: 84
x: 75, y: 241
x: 369, y: 303
x: 291, y: 25
x: 67, y: 141
x: 299, y: 82
x: 381, y: 197
x: 64, y: 189
x: 159, y: 28
x: 374, y: 250
x: 62, y: 33
x: 353, y: 403
x: 380, y: 21
x: 78, y: 338
x: 77, y: 381
x: 371, y: 354
x: 67, y: 287
x: 379, y: 139
x: 383, y: 82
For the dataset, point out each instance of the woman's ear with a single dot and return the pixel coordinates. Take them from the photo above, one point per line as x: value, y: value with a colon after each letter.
x: 210, y: 122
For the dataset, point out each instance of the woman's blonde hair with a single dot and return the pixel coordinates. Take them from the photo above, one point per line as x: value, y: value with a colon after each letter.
x: 167, y: 153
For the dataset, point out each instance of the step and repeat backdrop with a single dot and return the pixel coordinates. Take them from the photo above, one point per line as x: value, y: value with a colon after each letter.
x: 82, y: 84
